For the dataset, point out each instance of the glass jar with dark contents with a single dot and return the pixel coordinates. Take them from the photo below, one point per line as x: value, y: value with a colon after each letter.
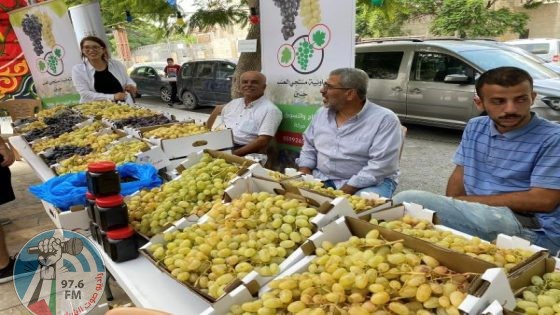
x: 110, y: 212
x: 121, y: 244
x: 103, y: 179
x: 90, y: 205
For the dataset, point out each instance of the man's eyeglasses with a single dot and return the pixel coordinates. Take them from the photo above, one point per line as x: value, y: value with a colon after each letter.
x: 94, y: 48
x: 327, y: 86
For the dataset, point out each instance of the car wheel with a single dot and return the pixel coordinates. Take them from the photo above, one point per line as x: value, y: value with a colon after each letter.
x: 189, y: 100
x: 165, y: 94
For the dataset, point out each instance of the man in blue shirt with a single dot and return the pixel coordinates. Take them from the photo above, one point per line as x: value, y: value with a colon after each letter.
x: 507, y: 178
x: 352, y: 144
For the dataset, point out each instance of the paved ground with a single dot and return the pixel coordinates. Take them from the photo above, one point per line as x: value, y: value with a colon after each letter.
x: 425, y: 164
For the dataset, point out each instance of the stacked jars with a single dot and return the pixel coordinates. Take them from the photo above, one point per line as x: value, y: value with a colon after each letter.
x: 108, y: 212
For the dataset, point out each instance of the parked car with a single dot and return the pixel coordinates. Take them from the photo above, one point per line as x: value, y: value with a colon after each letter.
x: 150, y: 80
x: 431, y: 82
x: 547, y: 48
x: 205, y: 82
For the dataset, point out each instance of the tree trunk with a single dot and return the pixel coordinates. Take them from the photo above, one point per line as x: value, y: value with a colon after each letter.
x: 247, y: 61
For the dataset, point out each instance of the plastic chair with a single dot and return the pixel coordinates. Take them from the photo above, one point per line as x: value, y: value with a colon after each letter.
x: 21, y: 108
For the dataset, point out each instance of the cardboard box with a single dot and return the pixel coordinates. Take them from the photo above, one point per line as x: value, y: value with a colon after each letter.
x: 181, y: 147
x: 75, y: 219
x: 326, y: 213
x: 342, y: 229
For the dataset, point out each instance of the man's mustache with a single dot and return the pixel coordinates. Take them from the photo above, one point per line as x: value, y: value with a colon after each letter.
x: 510, y: 116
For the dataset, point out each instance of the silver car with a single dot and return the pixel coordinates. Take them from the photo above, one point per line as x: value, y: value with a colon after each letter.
x: 431, y: 82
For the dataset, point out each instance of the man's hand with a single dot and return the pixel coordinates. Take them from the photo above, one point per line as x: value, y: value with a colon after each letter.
x: 349, y: 189
x: 131, y: 89
x: 50, y: 251
x: 7, y: 155
x: 120, y: 96
x: 305, y: 170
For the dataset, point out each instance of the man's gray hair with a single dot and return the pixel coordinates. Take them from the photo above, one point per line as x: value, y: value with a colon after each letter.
x: 353, y: 78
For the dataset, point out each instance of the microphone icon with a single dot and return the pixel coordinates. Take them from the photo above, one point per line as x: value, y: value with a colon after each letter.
x: 72, y: 246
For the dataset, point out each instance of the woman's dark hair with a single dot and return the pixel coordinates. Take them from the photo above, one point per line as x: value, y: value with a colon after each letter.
x: 97, y: 40
x: 503, y: 76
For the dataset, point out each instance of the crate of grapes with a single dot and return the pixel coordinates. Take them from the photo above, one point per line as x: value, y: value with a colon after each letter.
x: 180, y: 139
x: 351, y: 266
x: 264, y: 224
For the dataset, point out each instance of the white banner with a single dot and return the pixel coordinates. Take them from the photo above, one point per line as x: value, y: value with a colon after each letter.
x: 87, y: 21
x: 301, y: 42
x: 47, y: 41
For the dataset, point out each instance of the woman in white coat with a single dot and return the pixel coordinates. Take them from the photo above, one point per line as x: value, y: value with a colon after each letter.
x: 100, y: 78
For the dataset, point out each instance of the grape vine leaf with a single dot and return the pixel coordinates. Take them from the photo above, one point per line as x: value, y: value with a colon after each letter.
x: 57, y: 52
x: 41, y: 66
x: 286, y: 55
x: 319, y: 38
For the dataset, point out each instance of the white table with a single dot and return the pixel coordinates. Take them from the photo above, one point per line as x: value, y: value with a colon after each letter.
x: 37, y: 164
x: 148, y: 287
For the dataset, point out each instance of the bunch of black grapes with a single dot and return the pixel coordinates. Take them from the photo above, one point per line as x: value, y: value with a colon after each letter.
x: 288, y: 10
x: 32, y: 27
x: 58, y: 126
x: 61, y: 153
x: 137, y: 122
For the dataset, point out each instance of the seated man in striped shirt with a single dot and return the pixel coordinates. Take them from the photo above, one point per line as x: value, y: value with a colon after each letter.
x: 252, y: 118
x: 352, y: 144
x: 507, y: 178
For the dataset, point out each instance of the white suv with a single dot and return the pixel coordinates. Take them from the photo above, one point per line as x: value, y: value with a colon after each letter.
x: 546, y: 48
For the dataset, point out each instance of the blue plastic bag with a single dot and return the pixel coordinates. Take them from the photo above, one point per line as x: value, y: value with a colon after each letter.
x: 70, y: 189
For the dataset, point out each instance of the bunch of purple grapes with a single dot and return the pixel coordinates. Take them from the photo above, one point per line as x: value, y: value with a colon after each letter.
x: 32, y: 27
x: 288, y: 11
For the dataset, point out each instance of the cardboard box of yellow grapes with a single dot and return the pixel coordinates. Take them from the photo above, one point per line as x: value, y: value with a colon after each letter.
x: 443, y: 264
x: 180, y: 139
x: 241, y: 189
x: 412, y: 219
x: 306, y: 185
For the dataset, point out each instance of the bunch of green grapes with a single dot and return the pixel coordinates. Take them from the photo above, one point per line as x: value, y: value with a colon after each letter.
x: 79, y: 137
x: 364, y: 276
x: 176, y: 131
x: 92, y: 108
x: 113, y: 111
x: 542, y: 297
x: 310, y: 12
x: 193, y: 193
x: 33, y: 125
x: 50, y: 112
x: 46, y: 31
x: 304, y: 53
x: 501, y: 257
x: 255, y: 232
x: 120, y: 153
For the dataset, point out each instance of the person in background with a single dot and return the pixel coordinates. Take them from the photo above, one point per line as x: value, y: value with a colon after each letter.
x: 6, y: 195
x: 100, y: 78
x: 253, y: 118
x: 172, y: 71
x: 351, y: 143
x: 507, y: 173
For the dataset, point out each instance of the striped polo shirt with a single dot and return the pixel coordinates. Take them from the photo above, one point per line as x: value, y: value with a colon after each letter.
x: 496, y: 163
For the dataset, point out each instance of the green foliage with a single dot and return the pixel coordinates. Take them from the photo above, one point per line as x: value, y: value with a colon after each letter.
x: 319, y: 38
x: 212, y: 13
x: 380, y: 21
x: 286, y: 55
x: 472, y: 18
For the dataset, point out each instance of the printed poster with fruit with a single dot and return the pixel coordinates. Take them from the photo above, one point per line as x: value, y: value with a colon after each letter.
x: 301, y: 42
x: 46, y: 37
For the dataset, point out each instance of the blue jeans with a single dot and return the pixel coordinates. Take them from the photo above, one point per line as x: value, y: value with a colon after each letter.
x: 385, y: 189
x: 475, y: 218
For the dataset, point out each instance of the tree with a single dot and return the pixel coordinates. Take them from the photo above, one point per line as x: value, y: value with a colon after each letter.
x: 380, y: 21
x: 223, y: 13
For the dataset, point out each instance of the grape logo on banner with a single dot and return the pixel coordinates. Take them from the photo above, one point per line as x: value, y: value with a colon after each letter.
x: 59, y: 272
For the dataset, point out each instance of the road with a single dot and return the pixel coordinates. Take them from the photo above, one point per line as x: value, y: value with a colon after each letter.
x: 426, y: 158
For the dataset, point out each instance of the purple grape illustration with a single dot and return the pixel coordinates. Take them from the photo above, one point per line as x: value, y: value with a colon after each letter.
x: 32, y: 27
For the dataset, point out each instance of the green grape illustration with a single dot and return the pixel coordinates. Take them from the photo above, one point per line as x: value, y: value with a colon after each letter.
x: 52, y: 63
x: 303, y: 54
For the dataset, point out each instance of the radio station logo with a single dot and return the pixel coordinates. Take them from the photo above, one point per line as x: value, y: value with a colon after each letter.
x: 59, y: 272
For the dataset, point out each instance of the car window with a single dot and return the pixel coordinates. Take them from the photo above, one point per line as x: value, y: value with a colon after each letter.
x: 151, y: 71
x: 139, y: 71
x: 224, y: 70
x: 493, y: 58
x: 204, y: 70
x: 535, y: 48
x: 187, y: 70
x: 380, y: 65
x: 434, y: 67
